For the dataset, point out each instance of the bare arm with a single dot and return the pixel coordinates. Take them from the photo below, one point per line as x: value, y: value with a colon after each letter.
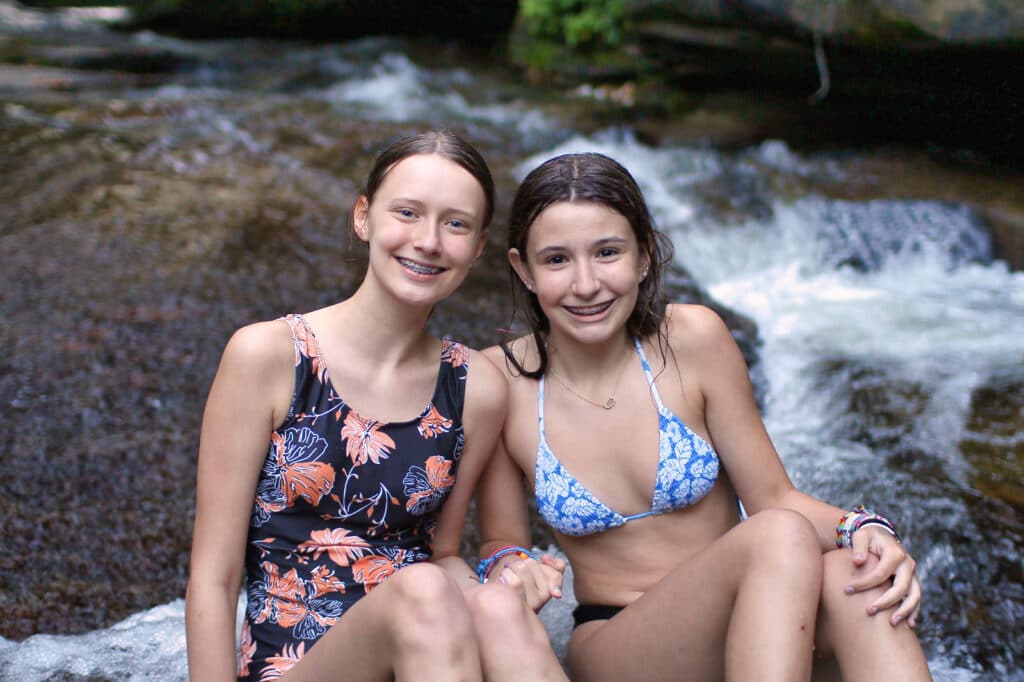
x: 485, y: 405
x: 503, y: 519
x: 255, y: 378
x: 735, y: 425
x: 739, y: 436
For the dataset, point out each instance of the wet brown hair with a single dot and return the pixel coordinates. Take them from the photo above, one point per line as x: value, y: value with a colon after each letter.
x: 598, y: 179
x: 444, y: 143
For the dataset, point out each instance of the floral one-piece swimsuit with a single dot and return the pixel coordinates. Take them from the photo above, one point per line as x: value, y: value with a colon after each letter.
x: 342, y: 503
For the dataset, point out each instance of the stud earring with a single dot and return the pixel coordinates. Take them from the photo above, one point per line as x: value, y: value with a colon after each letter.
x: 529, y: 285
x: 643, y: 274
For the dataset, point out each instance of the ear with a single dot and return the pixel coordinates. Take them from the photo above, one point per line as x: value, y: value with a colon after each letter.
x: 521, y: 268
x: 361, y: 218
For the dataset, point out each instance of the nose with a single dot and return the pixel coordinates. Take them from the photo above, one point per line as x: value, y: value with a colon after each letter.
x: 584, y: 282
x: 427, y: 237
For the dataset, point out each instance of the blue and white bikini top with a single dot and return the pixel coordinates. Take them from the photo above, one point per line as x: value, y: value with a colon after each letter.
x: 687, y: 470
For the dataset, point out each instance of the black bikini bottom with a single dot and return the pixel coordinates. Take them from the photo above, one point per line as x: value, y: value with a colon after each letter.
x: 584, y: 613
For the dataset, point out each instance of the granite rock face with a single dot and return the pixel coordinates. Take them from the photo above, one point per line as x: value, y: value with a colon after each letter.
x: 873, y: 23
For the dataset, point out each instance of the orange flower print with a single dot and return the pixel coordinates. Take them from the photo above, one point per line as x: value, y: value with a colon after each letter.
x: 306, y: 346
x: 453, y: 353
x: 309, y: 481
x: 267, y: 595
x: 310, y: 618
x: 278, y: 665
x: 325, y: 582
x: 340, y: 546
x: 427, y: 487
x: 374, y: 569
x: 364, y: 440
x: 434, y: 424
x: 292, y: 472
x: 309, y: 608
x: 246, y: 649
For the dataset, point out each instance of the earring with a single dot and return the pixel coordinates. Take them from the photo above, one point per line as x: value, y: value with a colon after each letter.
x: 643, y: 274
x: 528, y: 285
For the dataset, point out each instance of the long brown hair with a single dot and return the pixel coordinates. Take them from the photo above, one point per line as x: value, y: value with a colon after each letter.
x: 598, y: 179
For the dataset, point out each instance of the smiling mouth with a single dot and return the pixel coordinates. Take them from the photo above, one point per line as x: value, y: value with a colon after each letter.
x: 589, y: 309
x: 420, y: 268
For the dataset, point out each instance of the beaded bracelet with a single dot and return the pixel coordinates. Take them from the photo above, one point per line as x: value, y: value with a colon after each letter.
x: 855, y: 520
x: 486, y: 564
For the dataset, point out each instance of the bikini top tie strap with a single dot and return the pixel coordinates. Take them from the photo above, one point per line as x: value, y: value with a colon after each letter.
x: 649, y: 375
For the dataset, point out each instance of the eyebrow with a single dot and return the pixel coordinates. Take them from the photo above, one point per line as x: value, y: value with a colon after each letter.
x: 598, y: 244
x: 466, y: 213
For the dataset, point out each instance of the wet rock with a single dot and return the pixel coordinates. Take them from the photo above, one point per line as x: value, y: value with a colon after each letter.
x: 994, y: 444
x: 907, y: 22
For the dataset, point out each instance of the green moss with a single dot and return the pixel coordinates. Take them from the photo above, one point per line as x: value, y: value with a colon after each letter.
x: 575, y: 23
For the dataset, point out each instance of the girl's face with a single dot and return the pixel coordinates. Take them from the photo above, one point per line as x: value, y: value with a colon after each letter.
x: 584, y: 264
x: 423, y: 227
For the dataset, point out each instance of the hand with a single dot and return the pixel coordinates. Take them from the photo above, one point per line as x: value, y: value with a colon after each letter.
x: 539, y: 581
x: 893, y: 562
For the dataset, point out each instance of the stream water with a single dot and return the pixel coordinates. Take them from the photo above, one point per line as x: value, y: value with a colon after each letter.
x: 145, y: 215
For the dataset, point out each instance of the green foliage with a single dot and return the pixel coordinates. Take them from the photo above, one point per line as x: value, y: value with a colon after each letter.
x: 576, y: 23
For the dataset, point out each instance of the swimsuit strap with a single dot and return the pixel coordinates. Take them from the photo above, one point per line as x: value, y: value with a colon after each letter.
x: 647, y: 373
x: 540, y: 408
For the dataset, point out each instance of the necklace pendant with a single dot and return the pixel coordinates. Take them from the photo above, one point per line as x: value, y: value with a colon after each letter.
x: 610, y: 403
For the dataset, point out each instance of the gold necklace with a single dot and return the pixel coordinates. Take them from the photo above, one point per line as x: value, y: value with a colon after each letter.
x: 608, y: 404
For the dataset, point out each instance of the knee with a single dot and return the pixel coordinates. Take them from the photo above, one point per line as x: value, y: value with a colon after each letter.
x: 496, y: 605
x: 838, y: 572
x: 786, y: 539
x: 501, y: 614
x: 426, y: 601
x: 422, y: 584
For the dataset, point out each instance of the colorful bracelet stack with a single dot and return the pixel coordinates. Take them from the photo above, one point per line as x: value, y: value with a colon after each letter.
x: 855, y: 520
x: 486, y: 564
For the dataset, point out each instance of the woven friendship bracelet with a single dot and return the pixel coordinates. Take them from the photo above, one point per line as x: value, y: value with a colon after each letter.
x: 486, y: 564
x: 854, y: 520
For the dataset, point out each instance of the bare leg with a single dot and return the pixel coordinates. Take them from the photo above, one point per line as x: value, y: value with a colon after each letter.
x: 513, y: 643
x: 865, y: 647
x: 413, y: 626
x: 742, y: 609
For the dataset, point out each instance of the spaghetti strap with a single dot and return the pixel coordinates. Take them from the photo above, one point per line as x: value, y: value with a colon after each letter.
x: 648, y: 374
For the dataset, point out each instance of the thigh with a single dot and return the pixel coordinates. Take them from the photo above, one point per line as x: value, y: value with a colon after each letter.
x: 677, y: 630
x: 363, y: 644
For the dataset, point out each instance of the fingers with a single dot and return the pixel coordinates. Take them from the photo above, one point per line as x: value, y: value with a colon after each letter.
x: 554, y: 569
x: 553, y: 561
x: 910, y: 607
x: 912, y: 621
x: 891, y: 556
x: 538, y: 581
x: 859, y: 543
x: 895, y: 570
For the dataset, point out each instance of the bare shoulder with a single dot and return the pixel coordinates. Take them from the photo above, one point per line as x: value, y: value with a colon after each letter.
x: 496, y: 356
x: 523, y: 350
x: 486, y: 387
x: 692, y: 327
x: 261, y: 346
x: 257, y: 370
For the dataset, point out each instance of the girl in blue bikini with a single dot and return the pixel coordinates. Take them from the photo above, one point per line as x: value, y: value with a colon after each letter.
x: 635, y: 425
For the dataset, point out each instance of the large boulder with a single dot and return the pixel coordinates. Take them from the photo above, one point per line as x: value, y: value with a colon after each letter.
x: 886, y: 23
